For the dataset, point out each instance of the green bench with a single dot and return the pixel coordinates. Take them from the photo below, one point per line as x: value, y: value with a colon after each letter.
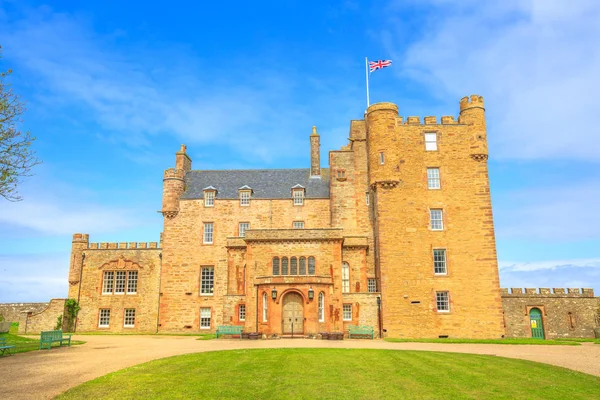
x: 49, y: 337
x: 229, y: 330
x: 6, y: 348
x: 360, y: 331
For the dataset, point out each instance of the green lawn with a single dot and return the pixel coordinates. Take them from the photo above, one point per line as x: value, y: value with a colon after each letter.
x: 339, y: 374
x: 490, y: 341
x: 24, y: 344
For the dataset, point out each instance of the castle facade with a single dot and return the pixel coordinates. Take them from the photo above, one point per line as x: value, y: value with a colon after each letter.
x: 396, y: 233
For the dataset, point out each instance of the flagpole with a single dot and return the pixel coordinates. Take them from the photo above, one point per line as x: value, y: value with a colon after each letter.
x: 367, y: 74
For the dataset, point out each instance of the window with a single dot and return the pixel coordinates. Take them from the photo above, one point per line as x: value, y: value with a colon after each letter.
x: 207, y: 281
x: 298, y: 224
x: 107, y: 285
x: 120, y: 282
x: 302, y: 270
x: 284, y: 266
x: 341, y: 174
x: 311, y: 265
x: 298, y: 195
x: 244, y: 198
x: 244, y: 226
x: 381, y: 158
x: 205, y: 318
x: 347, y: 312
x: 208, y: 233
x: 433, y: 178
x: 436, y: 219
x: 116, y: 282
x: 132, y: 278
x: 443, y: 301
x: 345, y: 278
x: 129, y: 320
x: 293, y: 266
x: 367, y: 198
x: 242, y: 312
x: 275, y: 265
x: 209, y: 198
x: 439, y: 261
x: 372, y: 285
x: 265, y: 305
x: 430, y: 141
x: 104, y: 320
x: 321, y: 307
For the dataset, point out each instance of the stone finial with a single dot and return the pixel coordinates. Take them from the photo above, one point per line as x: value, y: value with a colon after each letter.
x: 314, y: 130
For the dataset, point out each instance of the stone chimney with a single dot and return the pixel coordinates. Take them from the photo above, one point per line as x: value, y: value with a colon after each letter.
x: 315, y: 153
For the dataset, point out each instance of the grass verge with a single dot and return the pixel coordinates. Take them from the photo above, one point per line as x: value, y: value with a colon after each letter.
x: 339, y: 374
x: 25, y: 344
x: 488, y: 341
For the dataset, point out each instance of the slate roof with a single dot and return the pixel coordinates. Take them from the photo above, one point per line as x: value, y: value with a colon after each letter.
x: 265, y: 183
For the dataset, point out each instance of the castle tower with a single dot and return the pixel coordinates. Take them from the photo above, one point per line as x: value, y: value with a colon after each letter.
x: 79, y: 245
x: 435, y: 251
x: 174, y: 184
x: 315, y: 153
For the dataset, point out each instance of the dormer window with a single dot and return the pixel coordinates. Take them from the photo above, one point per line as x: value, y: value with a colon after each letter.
x: 298, y: 195
x: 209, y: 196
x: 245, y: 194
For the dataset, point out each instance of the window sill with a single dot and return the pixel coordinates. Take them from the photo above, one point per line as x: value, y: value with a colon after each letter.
x: 207, y: 294
x: 205, y: 327
x: 347, y: 320
x: 443, y: 311
x: 128, y: 326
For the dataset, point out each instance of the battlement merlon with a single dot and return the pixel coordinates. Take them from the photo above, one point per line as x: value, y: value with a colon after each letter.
x: 173, y: 173
x: 547, y: 292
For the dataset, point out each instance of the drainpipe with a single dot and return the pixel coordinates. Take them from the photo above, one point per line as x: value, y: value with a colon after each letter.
x: 257, y: 308
x: 159, y: 284
x: 79, y: 291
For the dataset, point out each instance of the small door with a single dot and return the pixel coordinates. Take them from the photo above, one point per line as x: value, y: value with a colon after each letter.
x: 535, y: 321
x: 293, y: 314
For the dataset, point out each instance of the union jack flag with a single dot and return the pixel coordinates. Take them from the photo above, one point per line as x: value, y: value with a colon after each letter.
x: 375, y: 65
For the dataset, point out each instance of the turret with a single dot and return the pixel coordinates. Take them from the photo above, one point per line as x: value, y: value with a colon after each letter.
x: 315, y: 153
x: 472, y: 113
x: 174, y: 183
x: 383, y: 152
x: 79, y: 244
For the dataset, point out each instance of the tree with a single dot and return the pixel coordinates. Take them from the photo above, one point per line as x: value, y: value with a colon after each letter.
x: 16, y: 156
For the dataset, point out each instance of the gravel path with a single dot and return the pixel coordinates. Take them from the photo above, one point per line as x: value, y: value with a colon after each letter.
x: 45, y: 374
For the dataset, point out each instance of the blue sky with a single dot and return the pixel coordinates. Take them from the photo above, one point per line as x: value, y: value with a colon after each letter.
x: 114, y: 89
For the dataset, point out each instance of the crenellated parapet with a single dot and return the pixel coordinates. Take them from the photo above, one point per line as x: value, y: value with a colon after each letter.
x: 123, y: 246
x: 547, y: 292
x: 473, y: 101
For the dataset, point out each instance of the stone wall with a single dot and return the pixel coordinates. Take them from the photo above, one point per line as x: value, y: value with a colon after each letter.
x: 91, y: 260
x: 17, y: 312
x: 398, y: 163
x: 44, y: 320
x: 565, y: 313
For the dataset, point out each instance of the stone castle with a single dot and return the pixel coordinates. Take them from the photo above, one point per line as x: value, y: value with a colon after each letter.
x: 396, y: 234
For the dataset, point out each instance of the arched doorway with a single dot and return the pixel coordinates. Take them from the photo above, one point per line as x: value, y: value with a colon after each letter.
x: 536, y: 323
x: 293, y: 314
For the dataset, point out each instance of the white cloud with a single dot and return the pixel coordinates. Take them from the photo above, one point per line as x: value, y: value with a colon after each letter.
x: 137, y: 93
x: 535, y: 62
x: 554, y: 214
x: 33, y: 278
x: 549, y: 265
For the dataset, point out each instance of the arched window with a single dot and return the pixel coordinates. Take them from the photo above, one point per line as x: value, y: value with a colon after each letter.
x: 275, y: 265
x: 293, y: 266
x: 302, y: 266
x: 345, y: 278
x: 284, y: 266
x: 311, y: 265
x: 265, y: 305
x: 321, y: 307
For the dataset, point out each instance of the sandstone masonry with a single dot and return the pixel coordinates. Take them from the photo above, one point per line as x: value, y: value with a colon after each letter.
x: 397, y: 233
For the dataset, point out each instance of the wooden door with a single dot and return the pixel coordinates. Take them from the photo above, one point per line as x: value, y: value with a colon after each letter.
x: 535, y: 320
x: 293, y: 314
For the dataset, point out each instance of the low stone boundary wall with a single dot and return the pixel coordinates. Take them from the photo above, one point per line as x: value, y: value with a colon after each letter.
x: 44, y: 320
x: 17, y: 312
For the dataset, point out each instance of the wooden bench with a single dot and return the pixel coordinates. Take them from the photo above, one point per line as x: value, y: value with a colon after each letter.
x: 360, y: 331
x: 6, y: 348
x: 49, y: 337
x: 229, y: 330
